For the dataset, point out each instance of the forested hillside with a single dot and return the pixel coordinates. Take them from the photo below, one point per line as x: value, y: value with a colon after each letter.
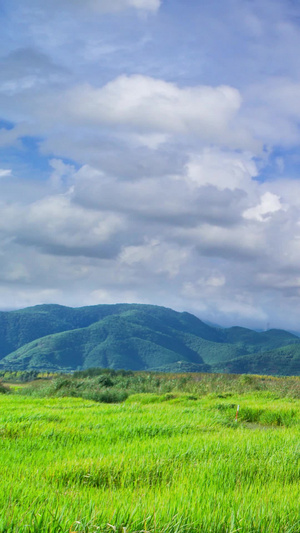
x: 138, y: 337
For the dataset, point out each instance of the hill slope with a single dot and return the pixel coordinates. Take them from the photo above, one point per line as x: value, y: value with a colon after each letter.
x: 133, y: 341
x: 137, y: 337
x: 25, y: 325
x: 282, y: 361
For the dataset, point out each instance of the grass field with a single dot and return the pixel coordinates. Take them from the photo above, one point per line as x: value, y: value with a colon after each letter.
x: 158, y: 463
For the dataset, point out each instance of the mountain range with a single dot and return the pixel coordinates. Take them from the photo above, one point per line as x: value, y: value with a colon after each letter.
x: 138, y: 337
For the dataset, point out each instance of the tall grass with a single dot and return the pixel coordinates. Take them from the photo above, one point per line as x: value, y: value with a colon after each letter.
x: 169, y: 462
x: 111, y: 386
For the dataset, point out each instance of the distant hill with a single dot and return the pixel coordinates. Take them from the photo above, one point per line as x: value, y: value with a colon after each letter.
x: 282, y: 361
x: 138, y: 337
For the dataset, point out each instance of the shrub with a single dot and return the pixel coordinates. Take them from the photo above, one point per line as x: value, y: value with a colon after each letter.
x: 105, y: 396
x: 105, y: 381
x: 3, y: 389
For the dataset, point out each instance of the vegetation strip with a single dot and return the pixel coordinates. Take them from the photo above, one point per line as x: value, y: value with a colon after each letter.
x: 170, y: 458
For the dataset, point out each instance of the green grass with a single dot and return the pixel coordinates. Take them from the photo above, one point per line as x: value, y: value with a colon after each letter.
x: 174, y: 461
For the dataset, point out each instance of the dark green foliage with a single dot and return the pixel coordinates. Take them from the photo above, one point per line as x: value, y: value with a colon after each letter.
x: 116, y: 396
x: 105, y: 381
x: 117, y: 341
x: 97, y: 371
x: 3, y: 389
x: 136, y: 337
x: 253, y: 341
x: 283, y: 361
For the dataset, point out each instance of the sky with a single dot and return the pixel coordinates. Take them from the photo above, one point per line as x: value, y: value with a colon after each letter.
x: 150, y: 153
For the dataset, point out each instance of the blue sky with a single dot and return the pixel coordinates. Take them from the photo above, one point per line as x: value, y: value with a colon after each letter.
x: 150, y: 152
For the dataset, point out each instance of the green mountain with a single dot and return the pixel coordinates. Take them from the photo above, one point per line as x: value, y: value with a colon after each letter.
x: 136, y: 337
x: 252, y: 341
x: 282, y: 361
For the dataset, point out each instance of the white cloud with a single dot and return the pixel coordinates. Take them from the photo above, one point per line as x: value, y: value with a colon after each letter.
x: 150, y: 140
x: 155, y: 256
x: 189, y: 238
x: 118, y: 5
x: 106, y: 6
x: 150, y: 105
x: 129, y: 112
x: 208, y: 284
x: 56, y: 226
x: 224, y: 170
x: 269, y: 203
x: 168, y: 199
x: 172, y: 124
x: 103, y: 6
x: 4, y: 173
x: 193, y: 245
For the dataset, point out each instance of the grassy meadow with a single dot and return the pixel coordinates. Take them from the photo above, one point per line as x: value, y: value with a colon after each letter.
x: 167, y: 456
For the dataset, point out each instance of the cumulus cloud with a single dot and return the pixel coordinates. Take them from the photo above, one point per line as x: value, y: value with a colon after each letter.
x: 168, y: 199
x: 223, y: 170
x: 55, y: 226
x: 270, y: 203
x: 168, y: 228
x: 161, y: 228
x: 151, y: 165
x: 133, y: 111
x: 151, y: 104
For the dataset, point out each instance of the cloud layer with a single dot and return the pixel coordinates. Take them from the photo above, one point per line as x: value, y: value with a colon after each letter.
x: 135, y: 169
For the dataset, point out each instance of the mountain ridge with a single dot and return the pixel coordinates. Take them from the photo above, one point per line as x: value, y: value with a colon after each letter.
x: 137, y: 337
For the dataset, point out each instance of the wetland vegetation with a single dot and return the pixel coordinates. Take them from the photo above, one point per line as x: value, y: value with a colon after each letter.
x: 120, y: 451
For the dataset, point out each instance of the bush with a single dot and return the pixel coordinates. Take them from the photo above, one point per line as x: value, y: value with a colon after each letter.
x: 105, y: 381
x: 62, y: 383
x: 3, y: 389
x: 105, y: 396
